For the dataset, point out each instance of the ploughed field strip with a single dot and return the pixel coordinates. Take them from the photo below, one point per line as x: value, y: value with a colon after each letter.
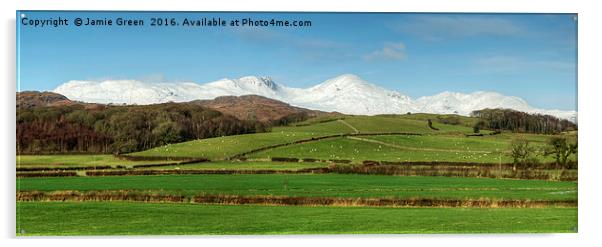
x: 135, y: 196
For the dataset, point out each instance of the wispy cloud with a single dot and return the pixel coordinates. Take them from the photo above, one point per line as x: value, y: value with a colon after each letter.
x: 390, y: 51
x: 443, y: 27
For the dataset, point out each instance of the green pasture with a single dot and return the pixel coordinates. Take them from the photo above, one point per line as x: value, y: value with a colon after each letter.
x: 496, y: 147
x: 76, y: 160
x: 394, y: 123
x: 358, y: 150
x: 488, y: 149
x: 245, y: 165
x: 437, y: 118
x: 316, y: 185
x: 224, y: 147
x: 98, y: 218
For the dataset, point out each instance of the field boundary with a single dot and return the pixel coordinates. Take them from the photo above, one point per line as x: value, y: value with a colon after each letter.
x: 137, y: 196
x: 368, y: 168
x: 107, y: 167
x: 349, y: 125
x: 416, y: 149
x: 237, y: 156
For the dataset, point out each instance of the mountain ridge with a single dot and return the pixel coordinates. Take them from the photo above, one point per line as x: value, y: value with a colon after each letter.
x: 347, y: 93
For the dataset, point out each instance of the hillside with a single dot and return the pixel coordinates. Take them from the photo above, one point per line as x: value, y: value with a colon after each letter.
x: 77, y: 128
x: 255, y: 107
x: 30, y: 99
x: 51, y: 123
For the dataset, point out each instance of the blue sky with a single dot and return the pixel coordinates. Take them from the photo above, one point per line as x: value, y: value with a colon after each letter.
x: 532, y: 56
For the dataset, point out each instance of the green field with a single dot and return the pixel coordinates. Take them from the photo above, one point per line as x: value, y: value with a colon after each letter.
x: 438, y: 118
x: 404, y: 148
x: 246, y: 165
x: 380, y: 124
x: 446, y: 144
x: 449, y: 143
x: 76, y: 160
x: 357, y: 150
x: 99, y: 218
x: 223, y: 147
x: 323, y: 185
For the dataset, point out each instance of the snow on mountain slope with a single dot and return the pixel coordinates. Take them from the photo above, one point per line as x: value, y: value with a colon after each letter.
x: 464, y: 104
x: 137, y: 92
x: 346, y: 94
x: 352, y: 95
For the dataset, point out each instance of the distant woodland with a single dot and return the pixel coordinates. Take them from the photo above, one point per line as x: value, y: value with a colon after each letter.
x: 121, y: 129
x: 516, y: 121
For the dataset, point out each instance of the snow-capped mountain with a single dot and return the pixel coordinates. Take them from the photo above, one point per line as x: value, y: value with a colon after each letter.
x: 352, y: 95
x: 346, y: 94
x: 464, y: 104
x: 137, y: 92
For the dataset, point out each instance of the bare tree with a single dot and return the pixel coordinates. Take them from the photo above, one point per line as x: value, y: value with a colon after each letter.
x: 561, y: 149
x: 522, y: 154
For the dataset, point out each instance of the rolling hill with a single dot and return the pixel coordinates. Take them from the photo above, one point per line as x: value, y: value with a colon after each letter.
x: 254, y: 107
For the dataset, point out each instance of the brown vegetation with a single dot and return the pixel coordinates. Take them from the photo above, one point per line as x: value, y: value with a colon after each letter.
x: 374, y: 168
x: 118, y: 195
x: 254, y: 107
x: 77, y: 128
x: 46, y: 174
x: 180, y: 172
x: 141, y: 196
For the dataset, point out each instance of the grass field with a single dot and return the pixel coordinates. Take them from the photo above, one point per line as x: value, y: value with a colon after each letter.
x: 357, y: 150
x: 98, y: 218
x: 75, y: 160
x: 449, y: 143
x: 438, y: 118
x: 247, y: 165
x: 404, y: 148
x: 485, y: 149
x: 379, y: 124
x: 446, y: 144
x: 223, y: 147
x: 323, y: 185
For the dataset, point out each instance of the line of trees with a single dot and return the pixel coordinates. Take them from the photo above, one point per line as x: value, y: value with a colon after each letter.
x: 507, y: 119
x: 121, y: 129
x: 525, y: 155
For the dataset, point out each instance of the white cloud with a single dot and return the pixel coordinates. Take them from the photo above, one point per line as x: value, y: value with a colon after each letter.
x: 390, y: 51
